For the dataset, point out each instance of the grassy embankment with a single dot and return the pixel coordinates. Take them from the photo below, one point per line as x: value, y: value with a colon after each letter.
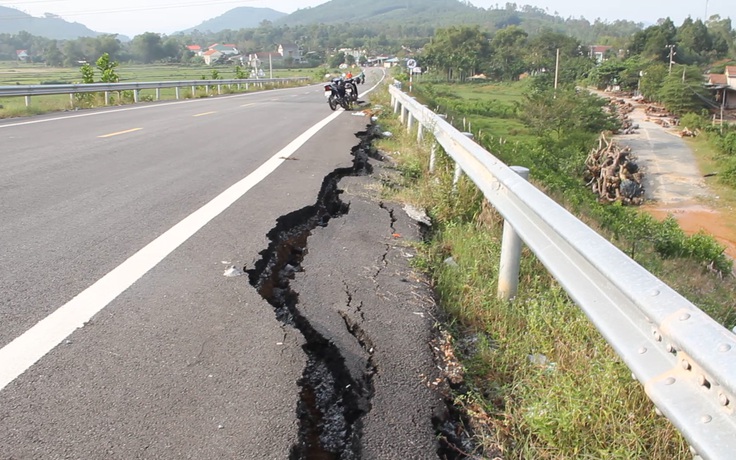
x: 35, y: 74
x: 551, y: 386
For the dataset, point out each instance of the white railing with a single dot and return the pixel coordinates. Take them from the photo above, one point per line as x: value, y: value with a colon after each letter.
x: 39, y: 90
x: 684, y: 359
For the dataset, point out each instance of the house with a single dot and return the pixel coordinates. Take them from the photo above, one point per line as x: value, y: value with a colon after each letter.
x: 392, y: 62
x: 290, y: 50
x: 211, y: 56
x: 229, y: 48
x: 731, y: 76
x: 196, y: 49
x: 22, y: 55
x: 377, y: 61
x: 724, y: 87
x: 356, y: 54
x: 598, y: 52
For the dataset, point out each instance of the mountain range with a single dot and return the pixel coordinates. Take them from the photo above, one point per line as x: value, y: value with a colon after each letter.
x: 13, y: 21
x: 243, y: 17
x: 425, y: 12
x: 428, y: 12
x: 408, y: 15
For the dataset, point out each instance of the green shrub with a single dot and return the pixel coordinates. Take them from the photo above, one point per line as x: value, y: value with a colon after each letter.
x: 693, y: 121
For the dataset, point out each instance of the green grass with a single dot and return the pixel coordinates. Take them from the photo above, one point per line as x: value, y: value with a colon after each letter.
x: 34, y: 74
x: 539, y: 374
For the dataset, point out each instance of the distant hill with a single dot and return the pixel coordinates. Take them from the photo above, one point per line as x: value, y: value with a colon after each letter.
x: 13, y: 21
x: 419, y: 18
x: 427, y: 12
x: 244, y: 17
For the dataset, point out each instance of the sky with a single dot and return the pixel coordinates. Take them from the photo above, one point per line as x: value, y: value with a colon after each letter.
x: 133, y: 17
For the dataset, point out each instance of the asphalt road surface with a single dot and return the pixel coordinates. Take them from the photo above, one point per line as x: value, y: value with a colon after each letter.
x: 121, y: 335
x: 672, y: 175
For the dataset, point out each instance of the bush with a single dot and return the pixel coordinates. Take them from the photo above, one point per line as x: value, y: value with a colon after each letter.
x: 693, y: 121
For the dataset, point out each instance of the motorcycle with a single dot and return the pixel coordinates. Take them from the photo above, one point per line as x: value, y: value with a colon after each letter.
x: 336, y: 93
x: 351, y: 89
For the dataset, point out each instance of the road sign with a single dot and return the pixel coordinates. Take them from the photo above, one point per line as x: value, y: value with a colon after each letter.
x: 411, y: 63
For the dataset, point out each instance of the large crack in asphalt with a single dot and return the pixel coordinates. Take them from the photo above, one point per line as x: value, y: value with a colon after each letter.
x: 332, y: 402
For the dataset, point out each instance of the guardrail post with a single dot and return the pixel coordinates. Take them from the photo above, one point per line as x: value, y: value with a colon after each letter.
x: 508, y: 276
x: 71, y: 99
x: 194, y: 91
x: 158, y: 94
x: 457, y: 176
x: 219, y: 89
x: 404, y: 113
x: 420, y: 130
x: 247, y: 86
x: 433, y: 150
x: 107, y: 97
x: 28, y: 101
x: 409, y: 122
x: 177, y: 93
x: 458, y: 170
x: 136, y: 95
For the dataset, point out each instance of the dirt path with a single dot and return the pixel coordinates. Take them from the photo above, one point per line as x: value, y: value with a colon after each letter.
x: 673, y: 181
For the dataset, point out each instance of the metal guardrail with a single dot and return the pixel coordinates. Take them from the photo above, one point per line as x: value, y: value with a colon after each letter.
x: 683, y: 358
x: 39, y: 90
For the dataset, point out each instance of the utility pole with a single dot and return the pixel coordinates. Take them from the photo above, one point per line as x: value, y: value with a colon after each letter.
x: 557, y: 70
x: 672, y: 55
x: 706, y: 11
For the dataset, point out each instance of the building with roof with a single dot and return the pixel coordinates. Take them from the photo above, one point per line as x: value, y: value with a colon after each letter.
x: 724, y: 86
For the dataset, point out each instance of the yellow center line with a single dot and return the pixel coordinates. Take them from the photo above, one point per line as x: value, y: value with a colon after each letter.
x: 120, y: 132
x: 203, y: 114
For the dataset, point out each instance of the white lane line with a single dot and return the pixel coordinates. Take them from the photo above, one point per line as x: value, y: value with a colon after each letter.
x: 127, y: 109
x: 20, y: 354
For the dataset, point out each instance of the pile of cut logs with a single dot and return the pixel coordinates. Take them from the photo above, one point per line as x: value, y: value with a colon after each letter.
x: 623, y: 109
x: 612, y: 173
x: 660, y: 116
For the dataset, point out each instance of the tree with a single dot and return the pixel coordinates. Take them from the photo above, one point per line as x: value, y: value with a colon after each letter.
x: 88, y: 73
x: 106, y: 66
x: 107, y: 44
x: 147, y: 47
x: 694, y: 41
x: 542, y: 50
x: 653, y: 76
x: 52, y: 55
x: 337, y: 59
x: 507, y: 53
x: 608, y: 73
x: 680, y: 90
x: 652, y: 42
x: 74, y: 52
x: 463, y: 49
x: 566, y: 111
